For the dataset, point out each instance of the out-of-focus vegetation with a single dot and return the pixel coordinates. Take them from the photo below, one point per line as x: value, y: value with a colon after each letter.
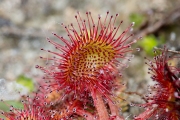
x: 26, y: 82
x: 149, y: 42
x: 137, y: 18
x: 5, y: 105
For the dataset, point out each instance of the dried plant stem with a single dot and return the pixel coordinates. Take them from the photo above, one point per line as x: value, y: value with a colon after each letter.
x: 172, y: 51
x: 100, y: 106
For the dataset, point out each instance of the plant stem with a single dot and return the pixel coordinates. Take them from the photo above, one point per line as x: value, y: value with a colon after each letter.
x: 86, y: 115
x: 114, y: 111
x: 100, y: 106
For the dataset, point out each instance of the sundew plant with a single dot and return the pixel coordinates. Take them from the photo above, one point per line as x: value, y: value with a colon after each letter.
x: 84, y: 77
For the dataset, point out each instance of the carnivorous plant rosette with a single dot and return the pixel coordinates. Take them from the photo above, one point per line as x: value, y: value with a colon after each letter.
x: 87, y: 64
